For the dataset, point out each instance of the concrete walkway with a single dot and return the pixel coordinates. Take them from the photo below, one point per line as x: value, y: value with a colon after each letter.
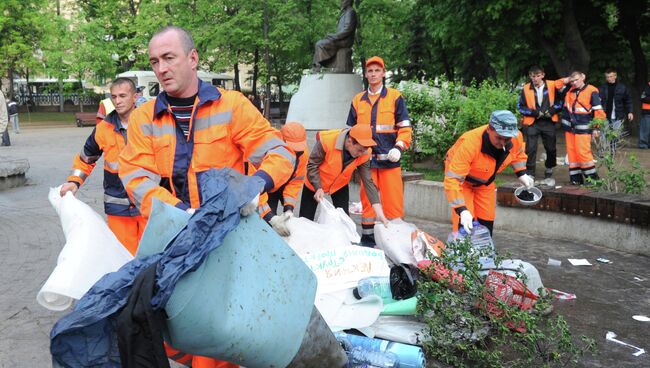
x: 31, y: 238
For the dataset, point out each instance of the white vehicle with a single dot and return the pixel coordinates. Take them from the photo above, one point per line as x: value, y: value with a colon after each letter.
x: 147, y: 79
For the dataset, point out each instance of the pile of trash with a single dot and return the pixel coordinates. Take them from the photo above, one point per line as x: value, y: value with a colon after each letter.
x: 333, y: 302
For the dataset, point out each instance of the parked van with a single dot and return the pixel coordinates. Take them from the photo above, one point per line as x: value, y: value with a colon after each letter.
x: 147, y: 79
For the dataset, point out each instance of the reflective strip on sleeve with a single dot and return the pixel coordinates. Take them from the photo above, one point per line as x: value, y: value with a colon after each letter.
x: 580, y: 109
x: 582, y: 127
x: 153, y: 130
x: 597, y: 107
x: 140, y: 173
x: 115, y: 200
x: 404, y: 124
x: 518, y: 165
x: 141, y: 190
x: 213, y: 120
x: 79, y: 173
x: 453, y: 175
x: 566, y: 123
x: 457, y: 202
x: 284, y: 152
x: 111, y: 165
x: 256, y: 157
x: 87, y: 159
x: 381, y: 157
x: 263, y: 209
x: 289, y: 201
x: 384, y: 128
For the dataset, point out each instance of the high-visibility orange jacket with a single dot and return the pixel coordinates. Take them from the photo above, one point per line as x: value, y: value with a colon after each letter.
x: 645, y: 100
x: 225, y: 131
x: 108, y: 138
x: 105, y: 107
x: 333, y: 176
x: 473, y: 161
x: 292, y: 189
x: 581, y: 105
x: 528, y: 106
x: 390, y: 123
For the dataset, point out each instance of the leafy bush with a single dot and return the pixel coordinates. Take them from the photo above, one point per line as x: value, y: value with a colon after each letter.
x: 442, y: 111
x: 461, y: 335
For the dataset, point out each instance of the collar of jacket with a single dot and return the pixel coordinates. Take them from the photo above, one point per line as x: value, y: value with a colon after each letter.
x: 207, y: 92
x: 340, y: 140
x: 384, y: 92
x: 114, y: 119
x: 488, y: 148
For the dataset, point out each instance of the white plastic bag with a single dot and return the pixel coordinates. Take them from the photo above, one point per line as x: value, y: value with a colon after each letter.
x: 308, y: 237
x: 395, y: 241
x: 91, y: 251
x: 327, y: 214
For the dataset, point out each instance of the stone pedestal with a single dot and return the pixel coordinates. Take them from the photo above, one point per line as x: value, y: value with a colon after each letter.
x: 323, y: 100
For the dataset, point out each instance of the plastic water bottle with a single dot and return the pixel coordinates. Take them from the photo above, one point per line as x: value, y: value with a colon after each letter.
x: 374, y: 285
x: 359, y: 357
x: 481, y: 242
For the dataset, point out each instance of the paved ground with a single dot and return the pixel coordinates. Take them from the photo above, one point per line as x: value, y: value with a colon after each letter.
x: 31, y: 238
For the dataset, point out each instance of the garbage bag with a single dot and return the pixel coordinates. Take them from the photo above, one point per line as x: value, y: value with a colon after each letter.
x: 308, y: 237
x: 327, y: 214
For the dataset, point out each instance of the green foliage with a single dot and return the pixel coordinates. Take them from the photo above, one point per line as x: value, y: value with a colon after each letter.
x: 461, y: 334
x: 443, y: 112
x: 617, y: 177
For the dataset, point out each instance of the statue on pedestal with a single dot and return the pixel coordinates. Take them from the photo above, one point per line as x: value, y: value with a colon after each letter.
x: 334, y: 51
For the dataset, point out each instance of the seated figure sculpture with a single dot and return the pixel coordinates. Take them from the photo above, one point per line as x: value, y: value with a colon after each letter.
x: 333, y: 52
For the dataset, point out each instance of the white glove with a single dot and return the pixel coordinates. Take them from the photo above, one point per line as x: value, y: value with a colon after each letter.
x: 394, y: 154
x: 250, y: 207
x: 190, y: 211
x: 527, y: 181
x: 279, y: 223
x: 466, y: 219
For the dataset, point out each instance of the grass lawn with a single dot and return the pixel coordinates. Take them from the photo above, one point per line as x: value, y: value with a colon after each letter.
x: 46, y: 118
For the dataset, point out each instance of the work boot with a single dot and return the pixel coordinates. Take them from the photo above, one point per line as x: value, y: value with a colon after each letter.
x: 367, y: 240
x: 548, y: 172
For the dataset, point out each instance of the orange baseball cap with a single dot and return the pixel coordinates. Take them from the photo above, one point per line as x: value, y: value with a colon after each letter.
x: 362, y: 133
x: 376, y: 60
x: 294, y: 135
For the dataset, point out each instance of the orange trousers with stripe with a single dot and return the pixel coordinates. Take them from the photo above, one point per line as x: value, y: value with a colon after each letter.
x: 391, y: 194
x: 481, y: 202
x: 128, y: 230
x: 578, y: 148
x: 196, y: 361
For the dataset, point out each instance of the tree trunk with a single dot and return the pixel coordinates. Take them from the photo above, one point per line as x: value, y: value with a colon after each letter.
x: 29, y: 90
x: 256, y: 70
x: 237, y: 84
x: 630, y: 13
x: 10, y: 76
x: 267, y: 61
x: 82, y: 93
x: 579, y: 57
x: 280, y: 94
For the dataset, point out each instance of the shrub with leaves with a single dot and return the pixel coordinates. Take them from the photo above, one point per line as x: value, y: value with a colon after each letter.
x: 442, y: 111
x: 461, y: 334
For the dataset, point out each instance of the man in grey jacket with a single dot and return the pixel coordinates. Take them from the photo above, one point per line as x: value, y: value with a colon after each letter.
x: 4, y: 121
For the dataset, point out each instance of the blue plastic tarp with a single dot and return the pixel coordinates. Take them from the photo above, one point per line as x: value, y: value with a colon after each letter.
x: 86, y: 337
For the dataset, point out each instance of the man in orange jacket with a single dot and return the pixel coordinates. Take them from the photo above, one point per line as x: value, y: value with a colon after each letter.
x: 108, y: 138
x: 472, y: 164
x: 295, y: 136
x: 385, y: 111
x: 193, y: 127
x: 332, y: 162
x: 540, y: 105
x: 581, y: 105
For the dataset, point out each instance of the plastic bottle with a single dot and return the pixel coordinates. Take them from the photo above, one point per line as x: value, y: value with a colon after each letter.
x: 481, y: 241
x: 374, y: 285
x: 408, y: 356
x: 359, y: 357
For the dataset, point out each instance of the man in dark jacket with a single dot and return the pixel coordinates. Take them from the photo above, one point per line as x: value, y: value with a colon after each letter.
x: 617, y: 104
x: 644, y: 124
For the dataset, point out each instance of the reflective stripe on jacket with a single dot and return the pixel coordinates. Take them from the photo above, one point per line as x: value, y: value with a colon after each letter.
x: 108, y: 138
x: 527, y: 104
x: 472, y: 160
x: 333, y: 176
x: 390, y: 123
x: 225, y: 131
x: 581, y: 105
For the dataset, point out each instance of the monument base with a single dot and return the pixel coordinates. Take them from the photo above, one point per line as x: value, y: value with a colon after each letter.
x: 323, y: 100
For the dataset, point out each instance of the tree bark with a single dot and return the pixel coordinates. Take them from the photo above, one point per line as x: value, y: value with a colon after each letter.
x: 256, y: 70
x: 630, y: 13
x: 237, y: 86
x: 579, y: 57
x: 267, y: 61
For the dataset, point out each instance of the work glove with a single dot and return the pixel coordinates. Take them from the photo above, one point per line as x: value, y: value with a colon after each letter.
x: 394, y: 154
x: 279, y: 223
x: 250, y: 207
x: 190, y: 210
x: 527, y: 181
x: 466, y: 220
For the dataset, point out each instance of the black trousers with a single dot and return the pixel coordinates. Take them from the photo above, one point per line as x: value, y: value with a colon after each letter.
x: 5, y: 137
x: 308, y: 204
x: 545, y: 128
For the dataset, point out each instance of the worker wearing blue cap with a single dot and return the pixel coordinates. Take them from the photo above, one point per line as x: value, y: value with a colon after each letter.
x: 472, y: 164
